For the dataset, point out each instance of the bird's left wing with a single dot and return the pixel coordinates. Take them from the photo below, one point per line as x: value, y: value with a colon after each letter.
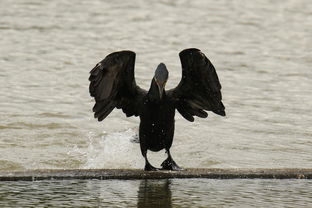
x: 199, y: 88
x: 112, y: 84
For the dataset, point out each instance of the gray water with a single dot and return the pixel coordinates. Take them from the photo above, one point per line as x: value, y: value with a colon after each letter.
x: 158, y: 193
x: 260, y: 49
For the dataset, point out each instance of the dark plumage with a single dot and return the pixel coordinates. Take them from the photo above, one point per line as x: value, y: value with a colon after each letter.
x: 112, y: 84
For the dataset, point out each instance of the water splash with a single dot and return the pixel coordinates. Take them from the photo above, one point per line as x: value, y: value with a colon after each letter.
x: 113, y: 151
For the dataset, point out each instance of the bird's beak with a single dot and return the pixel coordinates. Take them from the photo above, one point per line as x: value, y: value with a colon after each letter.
x: 160, y: 89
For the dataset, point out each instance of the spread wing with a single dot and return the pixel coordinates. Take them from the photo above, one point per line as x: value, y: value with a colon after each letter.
x: 199, y: 89
x: 112, y: 84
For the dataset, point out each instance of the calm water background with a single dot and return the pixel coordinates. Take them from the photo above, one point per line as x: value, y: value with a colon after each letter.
x: 261, y: 50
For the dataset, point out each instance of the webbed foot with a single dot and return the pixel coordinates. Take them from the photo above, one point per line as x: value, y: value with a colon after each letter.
x: 169, y: 164
x: 149, y: 167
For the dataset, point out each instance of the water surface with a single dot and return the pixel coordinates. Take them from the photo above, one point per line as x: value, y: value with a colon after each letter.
x: 261, y: 50
x: 158, y: 193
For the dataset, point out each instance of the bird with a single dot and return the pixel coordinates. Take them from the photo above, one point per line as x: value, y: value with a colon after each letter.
x: 113, y: 85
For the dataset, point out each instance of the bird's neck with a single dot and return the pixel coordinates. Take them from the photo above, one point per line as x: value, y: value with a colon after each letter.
x: 153, y: 93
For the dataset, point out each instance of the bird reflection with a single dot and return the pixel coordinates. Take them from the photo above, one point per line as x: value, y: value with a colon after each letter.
x: 154, y: 193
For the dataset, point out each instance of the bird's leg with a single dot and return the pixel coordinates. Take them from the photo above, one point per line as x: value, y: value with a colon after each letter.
x: 169, y: 163
x: 148, y: 166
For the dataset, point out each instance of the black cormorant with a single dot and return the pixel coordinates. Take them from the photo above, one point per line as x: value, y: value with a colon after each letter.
x: 112, y: 84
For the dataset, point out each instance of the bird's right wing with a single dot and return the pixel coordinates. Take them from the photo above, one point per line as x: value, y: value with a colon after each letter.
x: 112, y: 84
x: 199, y: 89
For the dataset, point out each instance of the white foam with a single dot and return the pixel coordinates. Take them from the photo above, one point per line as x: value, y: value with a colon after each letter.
x: 113, y: 151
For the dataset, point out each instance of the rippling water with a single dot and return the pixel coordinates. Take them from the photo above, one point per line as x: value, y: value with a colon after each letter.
x: 261, y: 50
x: 158, y: 193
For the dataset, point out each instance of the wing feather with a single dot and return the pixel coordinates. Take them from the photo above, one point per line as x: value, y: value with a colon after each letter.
x: 199, y: 88
x: 112, y: 84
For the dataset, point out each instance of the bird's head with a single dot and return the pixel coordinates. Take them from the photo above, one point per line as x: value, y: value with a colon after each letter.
x: 161, y: 77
